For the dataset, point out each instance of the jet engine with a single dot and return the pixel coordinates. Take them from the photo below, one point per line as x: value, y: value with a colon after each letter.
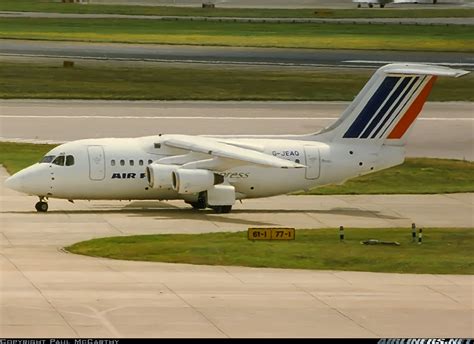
x: 160, y: 176
x: 186, y: 181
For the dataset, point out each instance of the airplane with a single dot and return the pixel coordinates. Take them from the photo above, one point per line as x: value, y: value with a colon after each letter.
x: 215, y: 171
x: 371, y: 3
x: 382, y: 3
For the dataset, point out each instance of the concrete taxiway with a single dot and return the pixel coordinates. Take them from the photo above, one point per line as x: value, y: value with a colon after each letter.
x: 444, y: 130
x: 46, y: 292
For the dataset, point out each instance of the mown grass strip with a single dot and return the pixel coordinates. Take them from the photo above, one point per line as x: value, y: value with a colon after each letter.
x: 416, y: 175
x: 444, y: 250
x: 57, y: 7
x: 165, y: 82
x: 321, y: 36
x: 17, y: 156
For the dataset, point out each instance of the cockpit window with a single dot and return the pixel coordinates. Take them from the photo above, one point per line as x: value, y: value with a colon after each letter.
x: 59, y: 160
x: 47, y: 159
x: 69, y: 160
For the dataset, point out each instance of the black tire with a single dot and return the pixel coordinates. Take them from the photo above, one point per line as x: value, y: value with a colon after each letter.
x: 370, y: 5
x: 382, y: 5
x: 222, y: 209
x: 201, y: 202
x: 359, y: 6
x: 197, y: 205
x: 41, y: 207
x: 226, y: 209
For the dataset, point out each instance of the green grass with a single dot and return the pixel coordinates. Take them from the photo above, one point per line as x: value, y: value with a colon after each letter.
x: 166, y: 82
x: 321, y: 36
x: 416, y: 175
x: 17, y: 156
x: 444, y: 251
x: 57, y: 7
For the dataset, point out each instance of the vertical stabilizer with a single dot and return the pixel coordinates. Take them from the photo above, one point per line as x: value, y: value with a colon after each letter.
x: 389, y: 103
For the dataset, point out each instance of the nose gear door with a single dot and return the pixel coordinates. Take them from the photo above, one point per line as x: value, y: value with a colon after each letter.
x: 96, y: 162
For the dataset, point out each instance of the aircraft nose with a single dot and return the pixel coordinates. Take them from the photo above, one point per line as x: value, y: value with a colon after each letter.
x: 14, y: 182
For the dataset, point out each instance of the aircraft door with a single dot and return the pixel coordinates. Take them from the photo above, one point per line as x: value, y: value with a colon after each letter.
x: 96, y: 162
x: 312, y: 162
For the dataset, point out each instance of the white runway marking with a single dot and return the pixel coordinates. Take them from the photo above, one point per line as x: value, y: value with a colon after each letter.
x: 212, y: 117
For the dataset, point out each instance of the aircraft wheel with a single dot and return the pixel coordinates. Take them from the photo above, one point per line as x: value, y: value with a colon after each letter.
x: 222, y: 209
x: 41, y: 207
x: 200, y: 203
x: 382, y: 5
x: 359, y: 6
x: 197, y: 205
x: 370, y: 5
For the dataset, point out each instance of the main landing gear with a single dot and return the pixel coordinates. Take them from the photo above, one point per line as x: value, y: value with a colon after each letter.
x: 41, y: 206
x: 219, y: 209
x: 201, y: 203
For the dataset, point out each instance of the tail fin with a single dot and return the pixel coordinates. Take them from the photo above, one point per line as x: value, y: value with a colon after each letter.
x: 389, y: 103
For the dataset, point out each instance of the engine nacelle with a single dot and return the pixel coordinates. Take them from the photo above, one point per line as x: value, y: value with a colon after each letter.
x: 160, y: 176
x: 186, y: 181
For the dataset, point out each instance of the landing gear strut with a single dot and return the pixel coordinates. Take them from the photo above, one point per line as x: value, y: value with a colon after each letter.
x: 41, y: 206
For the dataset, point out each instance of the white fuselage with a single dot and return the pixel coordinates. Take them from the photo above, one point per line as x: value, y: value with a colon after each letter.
x: 116, y: 168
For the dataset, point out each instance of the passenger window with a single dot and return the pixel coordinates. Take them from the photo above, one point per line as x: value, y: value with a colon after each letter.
x: 150, y: 161
x: 69, y: 160
x: 140, y: 162
x: 112, y: 162
x: 132, y: 162
x: 59, y: 160
x: 122, y: 162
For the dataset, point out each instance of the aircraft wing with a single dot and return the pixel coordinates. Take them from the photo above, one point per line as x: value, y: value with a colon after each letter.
x: 222, y: 150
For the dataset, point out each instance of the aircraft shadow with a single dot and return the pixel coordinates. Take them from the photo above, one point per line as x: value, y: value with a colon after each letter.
x: 173, y: 213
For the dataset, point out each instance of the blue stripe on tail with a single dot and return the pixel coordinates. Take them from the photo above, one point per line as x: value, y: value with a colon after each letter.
x: 407, y: 91
x: 371, y: 107
x: 411, y: 92
x: 385, y: 108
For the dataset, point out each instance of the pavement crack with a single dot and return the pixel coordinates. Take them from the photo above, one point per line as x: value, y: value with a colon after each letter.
x: 335, y: 310
x: 443, y: 294
x: 9, y: 243
x: 232, y: 275
x: 196, y: 310
x: 44, y: 296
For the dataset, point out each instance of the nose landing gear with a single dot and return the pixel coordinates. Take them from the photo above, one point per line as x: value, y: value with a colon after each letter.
x: 41, y: 206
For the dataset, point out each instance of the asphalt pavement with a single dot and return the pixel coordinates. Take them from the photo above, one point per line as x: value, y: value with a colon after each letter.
x: 229, y: 55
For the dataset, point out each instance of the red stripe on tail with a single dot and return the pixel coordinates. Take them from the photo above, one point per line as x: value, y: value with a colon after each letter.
x: 414, y: 110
